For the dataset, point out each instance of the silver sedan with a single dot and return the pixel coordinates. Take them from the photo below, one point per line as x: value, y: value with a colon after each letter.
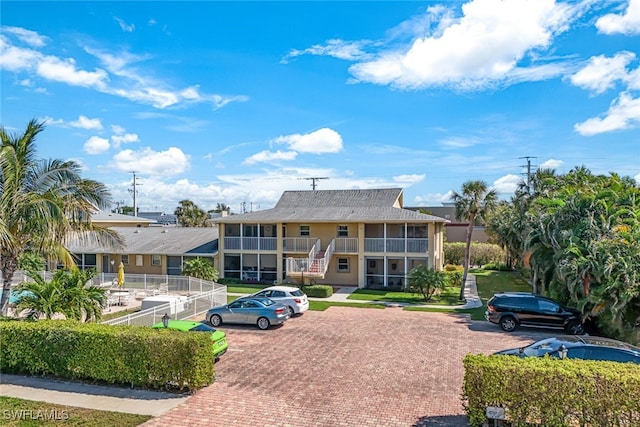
x: 262, y: 312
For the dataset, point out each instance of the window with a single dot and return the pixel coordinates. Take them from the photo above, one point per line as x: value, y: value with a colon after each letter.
x: 343, y: 231
x: 155, y: 260
x: 343, y: 265
x: 304, y: 230
x: 548, y: 306
x: 124, y: 259
x: 139, y: 261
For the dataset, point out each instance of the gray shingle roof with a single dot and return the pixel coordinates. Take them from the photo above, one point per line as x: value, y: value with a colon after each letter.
x: 335, y: 206
x: 385, y: 197
x: 161, y: 240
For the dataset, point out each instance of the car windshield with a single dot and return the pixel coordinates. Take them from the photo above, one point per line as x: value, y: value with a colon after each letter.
x: 540, y: 348
x: 202, y: 328
x: 297, y: 293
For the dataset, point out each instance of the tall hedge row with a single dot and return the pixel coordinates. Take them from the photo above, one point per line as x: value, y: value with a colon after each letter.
x: 134, y: 355
x: 481, y: 253
x: 552, y: 392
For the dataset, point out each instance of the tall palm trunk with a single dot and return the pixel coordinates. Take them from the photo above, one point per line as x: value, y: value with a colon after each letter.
x: 9, y: 264
x: 467, y: 256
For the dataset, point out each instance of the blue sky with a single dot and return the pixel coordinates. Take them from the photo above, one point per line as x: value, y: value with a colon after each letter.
x: 236, y: 102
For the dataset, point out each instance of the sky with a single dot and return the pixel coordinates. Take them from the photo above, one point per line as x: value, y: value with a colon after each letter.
x: 237, y: 102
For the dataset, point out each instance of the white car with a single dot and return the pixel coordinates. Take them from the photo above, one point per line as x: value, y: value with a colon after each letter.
x: 292, y: 297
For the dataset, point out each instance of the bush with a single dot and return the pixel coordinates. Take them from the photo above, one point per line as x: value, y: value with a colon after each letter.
x: 453, y: 278
x: 139, y: 356
x: 318, y: 291
x: 497, y: 267
x: 452, y: 267
x: 552, y: 392
x: 481, y: 253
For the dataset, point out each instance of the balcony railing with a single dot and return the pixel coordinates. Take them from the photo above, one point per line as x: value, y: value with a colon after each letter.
x: 298, y: 244
x: 345, y: 244
x: 397, y: 245
x: 251, y: 243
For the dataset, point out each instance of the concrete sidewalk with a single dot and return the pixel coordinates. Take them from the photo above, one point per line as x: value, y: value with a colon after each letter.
x: 104, y: 398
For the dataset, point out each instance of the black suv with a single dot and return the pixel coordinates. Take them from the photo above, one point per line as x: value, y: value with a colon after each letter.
x: 511, y: 309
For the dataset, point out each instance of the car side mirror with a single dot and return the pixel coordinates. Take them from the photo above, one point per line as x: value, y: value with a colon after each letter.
x: 562, y: 352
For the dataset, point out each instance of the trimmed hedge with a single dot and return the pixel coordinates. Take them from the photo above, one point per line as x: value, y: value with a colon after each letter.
x: 135, y: 355
x: 481, y: 253
x: 552, y: 392
x: 318, y: 291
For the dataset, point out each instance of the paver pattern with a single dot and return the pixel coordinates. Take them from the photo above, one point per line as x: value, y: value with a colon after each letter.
x: 345, y: 367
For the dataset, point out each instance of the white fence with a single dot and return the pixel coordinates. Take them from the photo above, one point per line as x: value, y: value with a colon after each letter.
x: 196, y: 305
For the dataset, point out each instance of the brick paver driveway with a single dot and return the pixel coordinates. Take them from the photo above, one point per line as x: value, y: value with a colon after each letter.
x: 344, y: 367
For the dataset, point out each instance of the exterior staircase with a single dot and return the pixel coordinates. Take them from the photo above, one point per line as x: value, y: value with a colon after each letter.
x: 316, y: 265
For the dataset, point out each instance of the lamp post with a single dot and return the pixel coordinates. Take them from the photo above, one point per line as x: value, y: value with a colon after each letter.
x: 302, y: 276
x: 165, y: 320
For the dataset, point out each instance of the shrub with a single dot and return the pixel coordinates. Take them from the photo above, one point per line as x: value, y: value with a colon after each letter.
x: 453, y: 278
x: 552, y: 392
x: 133, y: 355
x: 453, y: 267
x: 426, y: 281
x: 318, y: 291
x: 481, y: 253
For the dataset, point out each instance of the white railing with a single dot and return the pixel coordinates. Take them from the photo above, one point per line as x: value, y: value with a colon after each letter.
x: 195, y: 305
x: 346, y: 244
x: 297, y: 265
x: 397, y: 245
x: 251, y: 243
x: 298, y: 244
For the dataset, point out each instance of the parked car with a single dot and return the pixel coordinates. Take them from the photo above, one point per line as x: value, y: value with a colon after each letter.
x: 583, y: 347
x: 218, y: 337
x: 296, y: 300
x: 259, y: 311
x: 512, y: 309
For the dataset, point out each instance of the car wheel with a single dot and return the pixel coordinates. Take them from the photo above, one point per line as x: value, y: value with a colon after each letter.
x: 574, y: 328
x: 292, y: 312
x: 263, y: 323
x: 215, y: 320
x: 508, y: 323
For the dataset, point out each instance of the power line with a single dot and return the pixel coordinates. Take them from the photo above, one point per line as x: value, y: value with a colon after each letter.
x: 528, y: 166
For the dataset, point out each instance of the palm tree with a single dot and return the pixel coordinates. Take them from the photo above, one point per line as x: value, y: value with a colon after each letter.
x: 44, y: 204
x: 473, y: 204
x: 190, y: 215
x: 200, y: 268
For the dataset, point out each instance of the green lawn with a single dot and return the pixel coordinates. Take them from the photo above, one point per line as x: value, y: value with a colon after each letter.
x: 13, y: 409
x: 448, y: 296
x: 245, y: 289
x: 488, y: 283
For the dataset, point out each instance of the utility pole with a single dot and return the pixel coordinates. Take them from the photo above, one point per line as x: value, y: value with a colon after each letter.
x: 313, y: 181
x: 133, y: 190
x: 528, y: 166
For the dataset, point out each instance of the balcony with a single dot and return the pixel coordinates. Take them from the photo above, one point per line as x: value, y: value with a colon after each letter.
x: 396, y: 245
x: 250, y: 243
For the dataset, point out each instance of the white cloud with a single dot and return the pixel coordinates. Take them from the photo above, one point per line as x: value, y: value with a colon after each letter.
x: 127, y: 28
x: 269, y: 156
x: 602, y: 72
x: 627, y: 23
x: 624, y: 113
x: 173, y: 161
x: 479, y: 49
x: 27, y: 36
x: 433, y: 199
x: 507, y: 184
x: 84, y: 122
x: 125, y: 138
x: 551, y: 164
x: 121, y: 79
x: 637, y: 178
x: 96, y: 145
x: 336, y: 48
x: 408, y: 179
x: 59, y: 70
x: 323, y: 140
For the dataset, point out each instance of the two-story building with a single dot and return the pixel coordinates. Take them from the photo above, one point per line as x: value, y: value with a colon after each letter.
x: 359, y: 238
